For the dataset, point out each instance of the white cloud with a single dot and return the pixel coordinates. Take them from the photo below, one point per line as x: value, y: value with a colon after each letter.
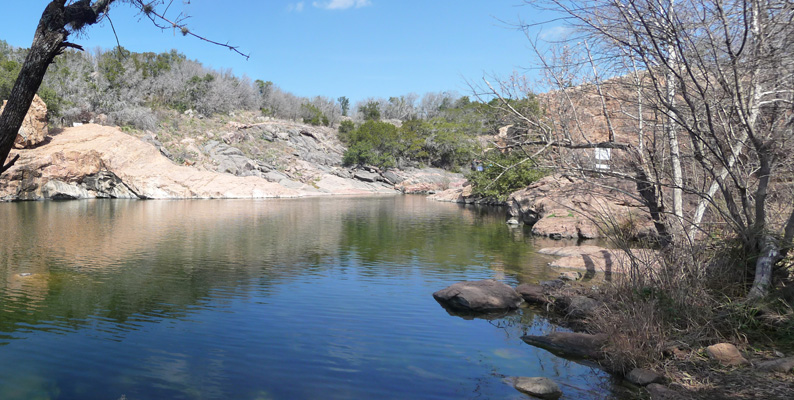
x: 341, y: 4
x: 556, y: 33
x: 297, y: 7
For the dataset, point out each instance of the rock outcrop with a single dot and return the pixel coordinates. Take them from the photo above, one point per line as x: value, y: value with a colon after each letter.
x: 429, y: 181
x: 486, y: 296
x: 93, y: 161
x: 34, y: 127
x: 560, y: 206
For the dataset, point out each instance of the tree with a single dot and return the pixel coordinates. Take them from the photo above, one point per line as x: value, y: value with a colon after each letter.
x: 60, y: 19
x: 370, y: 111
x: 344, y: 104
x: 719, y: 73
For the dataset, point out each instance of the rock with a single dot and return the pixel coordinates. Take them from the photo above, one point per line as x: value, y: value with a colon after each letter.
x: 151, y: 138
x: 366, y: 176
x: 552, y: 284
x: 34, y: 127
x: 577, y: 307
x: 540, y: 387
x: 783, y: 365
x: 391, y: 177
x: 231, y: 160
x: 533, y: 294
x: 598, y: 259
x: 570, y: 344
x: 59, y: 190
x: 726, y: 354
x: 560, y: 206
x: 644, y: 377
x: 661, y: 392
x: 423, y: 181
x: 570, y: 251
x: 106, y: 184
x: 570, y: 276
x: 479, y: 297
x: 77, y: 153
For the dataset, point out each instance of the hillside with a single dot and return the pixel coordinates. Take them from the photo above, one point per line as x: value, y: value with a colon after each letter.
x: 196, y: 157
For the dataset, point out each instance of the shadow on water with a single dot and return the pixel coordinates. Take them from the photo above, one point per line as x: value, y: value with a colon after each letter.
x: 271, y: 299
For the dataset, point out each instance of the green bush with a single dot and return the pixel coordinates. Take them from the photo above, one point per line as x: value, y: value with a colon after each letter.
x: 370, y: 111
x: 503, y: 174
x: 374, y: 143
x: 313, y: 116
x: 345, y: 128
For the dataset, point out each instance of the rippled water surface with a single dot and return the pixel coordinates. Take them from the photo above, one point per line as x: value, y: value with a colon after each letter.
x: 278, y: 299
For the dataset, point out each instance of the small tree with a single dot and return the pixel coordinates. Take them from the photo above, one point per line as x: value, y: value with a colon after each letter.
x: 344, y: 103
x: 370, y: 111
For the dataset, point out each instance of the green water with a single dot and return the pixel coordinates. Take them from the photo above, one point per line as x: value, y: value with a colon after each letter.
x: 279, y: 299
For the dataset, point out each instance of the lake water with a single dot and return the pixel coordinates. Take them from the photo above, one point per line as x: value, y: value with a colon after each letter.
x: 271, y: 299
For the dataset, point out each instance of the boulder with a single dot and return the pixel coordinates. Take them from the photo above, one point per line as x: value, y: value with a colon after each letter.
x: 540, y: 387
x: 570, y: 344
x: 366, y: 176
x: 726, y: 354
x: 782, y: 365
x: 34, y: 127
x: 479, y: 297
x: 533, y: 294
x: 577, y: 307
x: 644, y: 377
x: 59, y: 190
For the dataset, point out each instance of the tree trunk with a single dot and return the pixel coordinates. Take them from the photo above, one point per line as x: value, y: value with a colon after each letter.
x: 770, y: 254
x: 48, y: 42
x: 672, y: 135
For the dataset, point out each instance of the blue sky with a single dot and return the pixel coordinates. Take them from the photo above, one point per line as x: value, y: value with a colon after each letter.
x: 353, y: 48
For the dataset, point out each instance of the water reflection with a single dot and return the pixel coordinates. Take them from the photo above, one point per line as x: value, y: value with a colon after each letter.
x: 277, y: 299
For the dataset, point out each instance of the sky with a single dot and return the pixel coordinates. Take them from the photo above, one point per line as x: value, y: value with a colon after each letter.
x: 353, y: 48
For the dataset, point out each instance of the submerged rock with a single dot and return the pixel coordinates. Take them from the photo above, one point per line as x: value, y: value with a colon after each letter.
x: 479, y: 297
x: 570, y: 344
x: 540, y: 387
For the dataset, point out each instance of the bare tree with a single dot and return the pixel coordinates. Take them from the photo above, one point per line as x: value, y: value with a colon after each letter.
x: 717, y: 74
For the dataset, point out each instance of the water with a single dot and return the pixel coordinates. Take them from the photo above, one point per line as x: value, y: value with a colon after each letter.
x: 279, y: 299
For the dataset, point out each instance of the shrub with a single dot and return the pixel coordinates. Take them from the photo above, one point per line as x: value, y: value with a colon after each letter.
x: 503, y: 174
x: 345, y: 128
x: 312, y: 115
x: 374, y: 143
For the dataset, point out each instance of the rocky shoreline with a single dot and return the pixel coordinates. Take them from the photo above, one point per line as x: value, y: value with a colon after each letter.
x: 572, y: 305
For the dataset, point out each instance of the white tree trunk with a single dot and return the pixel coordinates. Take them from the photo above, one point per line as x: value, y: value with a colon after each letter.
x: 672, y: 134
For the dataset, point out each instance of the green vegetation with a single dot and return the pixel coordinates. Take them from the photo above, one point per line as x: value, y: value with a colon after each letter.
x: 503, y: 174
x: 10, y: 65
x: 370, y: 111
x: 313, y: 116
